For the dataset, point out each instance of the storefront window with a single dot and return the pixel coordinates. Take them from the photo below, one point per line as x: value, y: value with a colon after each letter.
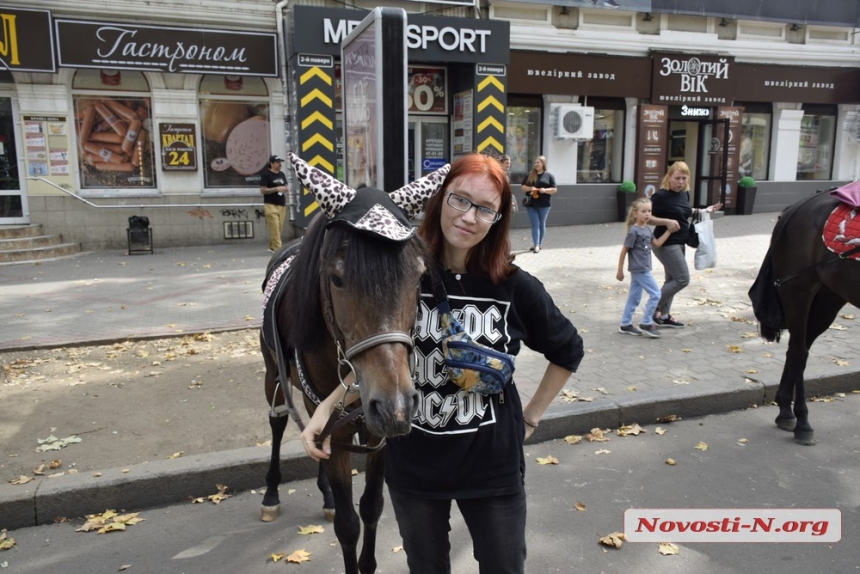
x: 115, y: 149
x: 599, y: 159
x: 234, y: 121
x: 523, y: 139
x: 755, y: 141
x: 817, y: 135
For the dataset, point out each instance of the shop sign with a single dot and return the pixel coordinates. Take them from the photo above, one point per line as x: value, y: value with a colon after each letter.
x: 428, y: 38
x: 426, y: 90
x: 652, y: 128
x: 699, y: 80
x: 690, y: 112
x: 178, y: 147
x: 26, y: 40
x: 125, y: 46
x: 579, y: 74
x: 763, y: 83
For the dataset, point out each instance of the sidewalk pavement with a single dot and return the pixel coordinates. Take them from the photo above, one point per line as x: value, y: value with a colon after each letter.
x: 717, y: 363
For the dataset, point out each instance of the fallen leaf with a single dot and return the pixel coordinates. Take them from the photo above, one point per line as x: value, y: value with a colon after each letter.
x: 660, y: 431
x: 39, y: 470
x: 299, y: 556
x: 615, y: 539
x: 668, y: 419
x: 291, y: 491
x: 628, y: 430
x: 54, y: 443
x: 847, y: 316
x: 743, y: 441
x: 311, y: 529
x: 631, y: 388
x: 602, y: 451
x: 667, y: 549
x: 397, y: 549
x: 600, y: 390
x: 221, y: 494
x: 548, y: 460
x: 735, y: 349
x: 702, y: 446
x: 841, y: 362
x: 97, y: 474
x: 176, y: 455
x: 23, y: 479
x: 124, y: 567
x: 752, y: 371
x: 837, y: 327
x: 278, y: 557
x: 749, y: 335
x: 597, y: 435
x: 686, y: 350
x: 579, y: 506
x: 55, y: 463
x: 671, y: 461
x: 573, y: 439
x: 5, y: 542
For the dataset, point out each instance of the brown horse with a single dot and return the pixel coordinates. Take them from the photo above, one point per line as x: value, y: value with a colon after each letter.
x: 347, y: 302
x: 801, y: 287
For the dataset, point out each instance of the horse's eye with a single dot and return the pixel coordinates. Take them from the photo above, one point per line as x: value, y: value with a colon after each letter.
x: 337, y: 281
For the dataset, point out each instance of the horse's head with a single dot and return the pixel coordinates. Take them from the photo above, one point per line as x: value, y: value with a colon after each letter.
x: 370, y: 264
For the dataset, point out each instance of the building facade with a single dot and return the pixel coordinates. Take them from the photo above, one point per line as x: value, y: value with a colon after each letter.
x: 170, y: 110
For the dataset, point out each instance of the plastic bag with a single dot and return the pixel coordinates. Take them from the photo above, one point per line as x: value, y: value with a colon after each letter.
x: 706, y: 253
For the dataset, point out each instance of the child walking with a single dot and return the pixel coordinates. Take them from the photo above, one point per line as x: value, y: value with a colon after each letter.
x: 637, y: 244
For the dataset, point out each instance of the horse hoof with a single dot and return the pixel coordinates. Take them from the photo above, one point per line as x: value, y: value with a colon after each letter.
x: 806, y: 438
x: 786, y: 424
x: 270, y: 513
x: 329, y: 514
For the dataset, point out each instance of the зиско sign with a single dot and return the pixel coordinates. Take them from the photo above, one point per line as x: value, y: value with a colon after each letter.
x: 125, y: 46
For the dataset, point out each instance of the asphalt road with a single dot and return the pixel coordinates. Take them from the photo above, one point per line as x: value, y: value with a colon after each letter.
x: 768, y: 471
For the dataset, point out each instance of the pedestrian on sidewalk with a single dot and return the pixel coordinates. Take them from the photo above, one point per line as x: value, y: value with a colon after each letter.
x: 637, y: 250
x: 671, y: 213
x: 274, y: 187
x: 476, y: 457
x: 539, y: 186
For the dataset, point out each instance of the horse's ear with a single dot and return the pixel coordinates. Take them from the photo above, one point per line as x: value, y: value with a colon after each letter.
x: 412, y: 197
x: 331, y: 194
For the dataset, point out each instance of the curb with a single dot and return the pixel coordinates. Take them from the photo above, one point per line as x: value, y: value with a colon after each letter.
x: 167, y: 482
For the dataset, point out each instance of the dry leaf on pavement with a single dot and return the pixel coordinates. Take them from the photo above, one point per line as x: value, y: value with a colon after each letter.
x: 5, y: 542
x: 580, y: 506
x: 278, y: 556
x: 573, y: 439
x: 702, y: 446
x: 602, y: 451
x: 660, y: 431
x: 548, y: 460
x: 597, y: 435
x: 628, y: 430
x: 671, y: 461
x: 299, y: 556
x: 311, y: 529
x: 668, y: 549
x: 615, y: 539
x: 23, y: 479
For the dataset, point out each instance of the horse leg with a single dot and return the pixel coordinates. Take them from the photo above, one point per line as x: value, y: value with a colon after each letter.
x: 825, y: 307
x: 370, y: 508
x: 271, y: 507
x: 328, y: 498
x: 347, y: 526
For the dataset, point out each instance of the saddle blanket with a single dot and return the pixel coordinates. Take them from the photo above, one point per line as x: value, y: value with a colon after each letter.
x: 842, y: 230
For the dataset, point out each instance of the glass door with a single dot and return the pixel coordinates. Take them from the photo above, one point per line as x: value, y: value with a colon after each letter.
x: 711, y: 164
x: 13, y: 199
x: 428, y: 146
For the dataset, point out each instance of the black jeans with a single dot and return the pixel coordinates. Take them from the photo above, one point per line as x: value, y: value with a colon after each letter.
x: 497, y: 526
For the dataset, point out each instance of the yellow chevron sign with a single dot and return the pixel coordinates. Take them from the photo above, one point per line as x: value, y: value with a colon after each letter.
x: 315, y: 72
x: 317, y: 139
x: 490, y: 141
x: 491, y: 101
x: 317, y: 117
x: 491, y: 80
x: 318, y: 161
x: 311, y: 207
x: 491, y: 121
x: 316, y: 95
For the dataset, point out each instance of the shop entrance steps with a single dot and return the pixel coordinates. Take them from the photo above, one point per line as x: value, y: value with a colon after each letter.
x: 26, y: 243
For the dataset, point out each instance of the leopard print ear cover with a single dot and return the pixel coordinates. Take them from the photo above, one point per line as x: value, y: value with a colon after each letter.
x: 333, y: 195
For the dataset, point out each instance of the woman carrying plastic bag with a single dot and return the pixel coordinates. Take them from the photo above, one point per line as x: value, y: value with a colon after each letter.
x: 706, y: 252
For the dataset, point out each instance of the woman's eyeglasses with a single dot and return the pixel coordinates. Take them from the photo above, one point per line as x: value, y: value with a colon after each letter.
x: 460, y: 203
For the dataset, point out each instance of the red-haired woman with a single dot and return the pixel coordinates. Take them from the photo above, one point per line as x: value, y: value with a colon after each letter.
x: 465, y: 446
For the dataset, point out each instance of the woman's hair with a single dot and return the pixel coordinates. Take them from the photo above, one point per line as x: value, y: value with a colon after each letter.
x: 677, y: 166
x: 492, y: 256
x: 533, y: 174
x: 634, y: 207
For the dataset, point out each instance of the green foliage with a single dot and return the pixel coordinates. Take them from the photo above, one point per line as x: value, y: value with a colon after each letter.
x: 627, y: 186
x: 746, y: 182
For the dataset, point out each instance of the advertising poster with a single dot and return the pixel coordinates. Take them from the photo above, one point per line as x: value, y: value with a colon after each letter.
x: 426, y: 91
x: 46, y: 148
x: 178, y: 147
x: 360, y: 122
x: 651, y: 148
x: 462, y: 123
x: 114, y: 145
x: 235, y: 142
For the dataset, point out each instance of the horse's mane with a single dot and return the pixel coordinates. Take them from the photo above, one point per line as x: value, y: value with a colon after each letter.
x: 374, y: 269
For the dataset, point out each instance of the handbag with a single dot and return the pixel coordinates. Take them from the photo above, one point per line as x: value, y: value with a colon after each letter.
x: 692, y: 236
x: 527, y: 200
x: 471, y: 366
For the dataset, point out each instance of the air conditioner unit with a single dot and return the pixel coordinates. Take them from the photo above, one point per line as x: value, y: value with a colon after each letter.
x: 574, y: 122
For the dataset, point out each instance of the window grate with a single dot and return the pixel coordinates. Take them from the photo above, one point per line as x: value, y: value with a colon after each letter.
x: 238, y: 230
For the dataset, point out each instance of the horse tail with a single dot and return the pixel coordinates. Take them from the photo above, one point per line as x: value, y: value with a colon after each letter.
x: 767, y: 305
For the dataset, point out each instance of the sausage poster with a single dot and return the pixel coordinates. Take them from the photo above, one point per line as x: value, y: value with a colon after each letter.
x: 114, y: 144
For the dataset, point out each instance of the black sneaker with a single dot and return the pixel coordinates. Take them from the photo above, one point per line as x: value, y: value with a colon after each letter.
x: 629, y: 330
x: 649, y: 330
x: 669, y: 322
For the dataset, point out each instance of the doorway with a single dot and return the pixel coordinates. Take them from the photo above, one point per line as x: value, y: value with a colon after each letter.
x: 427, y: 145
x: 699, y: 144
x: 13, y: 199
